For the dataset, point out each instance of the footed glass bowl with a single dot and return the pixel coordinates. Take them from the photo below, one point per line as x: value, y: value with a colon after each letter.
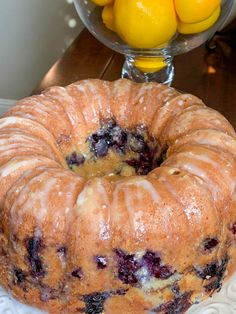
x: 147, y: 64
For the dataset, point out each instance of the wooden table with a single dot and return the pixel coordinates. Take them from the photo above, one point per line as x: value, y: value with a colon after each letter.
x: 208, y: 73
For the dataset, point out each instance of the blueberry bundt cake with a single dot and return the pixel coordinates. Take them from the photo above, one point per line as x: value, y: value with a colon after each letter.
x: 116, y: 198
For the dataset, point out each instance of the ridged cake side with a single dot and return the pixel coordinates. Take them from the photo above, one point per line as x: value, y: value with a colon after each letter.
x: 120, y: 235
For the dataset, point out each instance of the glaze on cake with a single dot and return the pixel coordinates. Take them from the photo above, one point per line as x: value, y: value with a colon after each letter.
x: 116, y: 197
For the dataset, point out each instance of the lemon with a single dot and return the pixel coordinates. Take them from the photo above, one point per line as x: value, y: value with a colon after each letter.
x: 193, y: 28
x: 108, y: 17
x: 149, y: 64
x: 193, y: 11
x: 102, y: 2
x: 145, y: 23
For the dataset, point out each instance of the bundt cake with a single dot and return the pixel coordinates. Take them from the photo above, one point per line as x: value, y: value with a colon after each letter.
x: 116, y: 198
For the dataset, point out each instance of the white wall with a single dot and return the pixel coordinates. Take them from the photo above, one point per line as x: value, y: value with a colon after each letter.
x: 33, y: 34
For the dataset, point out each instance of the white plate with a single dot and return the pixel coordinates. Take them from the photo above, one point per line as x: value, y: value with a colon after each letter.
x: 223, y: 302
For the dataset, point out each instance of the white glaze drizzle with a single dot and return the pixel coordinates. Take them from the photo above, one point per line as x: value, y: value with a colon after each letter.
x: 135, y: 217
x: 14, y: 165
x: 88, y: 202
x: 193, y: 169
x: 147, y: 185
x: 225, y: 172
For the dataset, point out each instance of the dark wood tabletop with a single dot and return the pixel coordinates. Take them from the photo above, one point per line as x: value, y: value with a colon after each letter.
x: 208, y: 72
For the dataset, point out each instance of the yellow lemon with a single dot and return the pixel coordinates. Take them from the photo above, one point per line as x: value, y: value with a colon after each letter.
x: 193, y: 28
x: 108, y: 17
x: 193, y: 11
x: 145, y: 23
x: 102, y: 2
x: 150, y: 64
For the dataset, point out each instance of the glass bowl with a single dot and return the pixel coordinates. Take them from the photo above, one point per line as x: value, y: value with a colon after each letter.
x: 152, y: 64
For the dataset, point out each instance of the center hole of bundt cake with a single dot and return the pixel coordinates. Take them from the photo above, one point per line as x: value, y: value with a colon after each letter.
x: 116, y: 151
